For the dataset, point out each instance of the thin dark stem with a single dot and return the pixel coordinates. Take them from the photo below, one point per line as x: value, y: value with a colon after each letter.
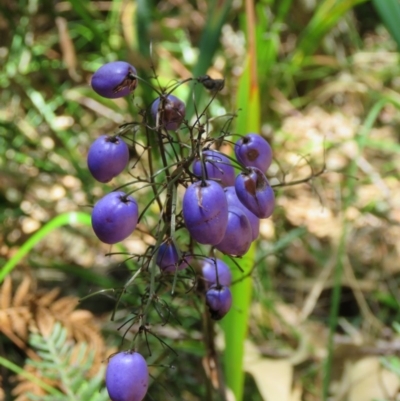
x: 151, y: 168
x: 301, y: 181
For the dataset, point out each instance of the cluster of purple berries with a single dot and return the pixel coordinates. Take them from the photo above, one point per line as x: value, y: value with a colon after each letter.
x: 220, y: 207
x: 223, y: 210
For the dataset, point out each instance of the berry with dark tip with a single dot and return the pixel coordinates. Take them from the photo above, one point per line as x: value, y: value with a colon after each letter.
x: 114, y: 80
x: 127, y: 377
x: 217, y: 167
x: 218, y: 301
x: 170, y: 113
x: 107, y: 157
x: 114, y: 217
x: 252, y: 150
x: 254, y: 191
x: 205, y: 211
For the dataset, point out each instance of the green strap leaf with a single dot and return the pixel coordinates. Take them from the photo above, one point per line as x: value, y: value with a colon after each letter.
x: 389, y: 11
x: 235, y: 323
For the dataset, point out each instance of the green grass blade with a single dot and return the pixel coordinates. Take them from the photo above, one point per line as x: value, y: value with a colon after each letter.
x: 348, y: 201
x: 248, y: 102
x: 389, y: 11
x: 32, y: 378
x: 143, y: 23
x: 334, y: 312
x: 70, y: 218
x: 268, y: 37
x: 82, y: 10
x: 209, y: 43
x: 324, y: 19
x: 65, y: 219
x: 235, y: 323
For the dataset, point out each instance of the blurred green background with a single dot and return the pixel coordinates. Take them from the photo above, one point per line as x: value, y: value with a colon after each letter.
x: 320, y: 80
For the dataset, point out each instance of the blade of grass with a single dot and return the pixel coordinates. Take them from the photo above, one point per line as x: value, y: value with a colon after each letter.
x: 348, y: 201
x: 268, y: 38
x: 389, y: 11
x: 324, y: 19
x: 82, y: 10
x: 32, y: 378
x: 143, y: 22
x: 209, y: 43
x: 235, y: 324
x: 143, y: 19
x: 70, y: 218
x: 113, y: 21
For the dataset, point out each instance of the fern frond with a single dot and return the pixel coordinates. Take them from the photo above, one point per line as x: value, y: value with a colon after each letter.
x: 64, y: 363
x: 28, y: 310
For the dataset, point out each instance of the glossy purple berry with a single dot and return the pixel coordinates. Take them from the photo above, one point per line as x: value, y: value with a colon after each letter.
x: 115, y: 79
x: 233, y: 200
x: 238, y: 235
x: 170, y: 114
x: 213, y: 268
x: 114, y: 217
x: 252, y: 150
x: 127, y: 377
x: 168, y: 259
x: 218, y: 301
x: 217, y: 167
x: 205, y: 211
x: 107, y: 157
x: 254, y: 191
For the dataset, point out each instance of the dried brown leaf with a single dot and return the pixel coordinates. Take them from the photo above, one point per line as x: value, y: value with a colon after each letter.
x: 67, y: 48
x: 26, y: 386
x: 6, y: 291
x: 24, y: 313
x: 368, y: 381
x: 273, y: 377
x: 81, y: 316
x: 44, y: 321
x: 22, y: 293
x: 64, y: 306
x: 90, y: 334
x: 19, y: 318
x: 47, y: 298
x: 4, y: 320
x: 2, y: 394
x: 14, y: 317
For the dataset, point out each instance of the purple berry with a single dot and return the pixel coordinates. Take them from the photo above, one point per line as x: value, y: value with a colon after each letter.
x: 168, y: 259
x: 254, y: 191
x: 252, y: 150
x: 107, y: 157
x: 219, y: 301
x: 233, y: 200
x: 238, y: 235
x: 171, y: 114
x: 115, y: 79
x: 127, y: 377
x: 114, y: 217
x: 205, y: 211
x: 212, y: 268
x: 217, y: 167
